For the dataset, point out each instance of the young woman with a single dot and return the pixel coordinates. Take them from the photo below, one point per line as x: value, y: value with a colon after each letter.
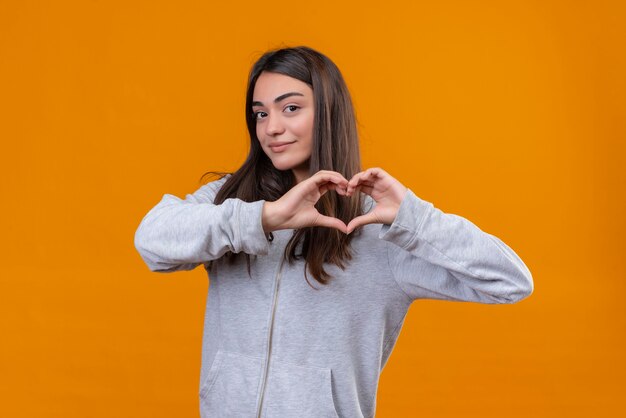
x: 276, y: 343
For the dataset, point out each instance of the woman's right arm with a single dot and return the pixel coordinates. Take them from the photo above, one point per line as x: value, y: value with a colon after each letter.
x: 180, y: 234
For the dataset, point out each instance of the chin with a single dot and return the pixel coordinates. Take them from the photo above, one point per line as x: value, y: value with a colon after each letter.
x: 284, y: 165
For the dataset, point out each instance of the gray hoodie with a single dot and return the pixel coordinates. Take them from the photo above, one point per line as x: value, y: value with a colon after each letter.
x: 275, y: 347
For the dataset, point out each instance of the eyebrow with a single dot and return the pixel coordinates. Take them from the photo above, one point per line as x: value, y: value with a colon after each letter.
x: 279, y: 98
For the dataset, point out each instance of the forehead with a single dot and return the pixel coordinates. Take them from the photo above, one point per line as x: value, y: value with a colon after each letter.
x: 271, y: 85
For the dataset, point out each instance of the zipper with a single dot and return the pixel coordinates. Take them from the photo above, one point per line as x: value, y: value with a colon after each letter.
x: 269, y: 343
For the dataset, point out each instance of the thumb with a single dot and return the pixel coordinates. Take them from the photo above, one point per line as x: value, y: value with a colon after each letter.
x: 369, y: 218
x: 330, y: 222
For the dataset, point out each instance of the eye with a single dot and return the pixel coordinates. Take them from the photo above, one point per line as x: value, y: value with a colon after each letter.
x: 292, y: 108
x: 257, y: 115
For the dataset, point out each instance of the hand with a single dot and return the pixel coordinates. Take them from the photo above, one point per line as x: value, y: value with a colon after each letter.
x: 295, y: 209
x: 384, y: 189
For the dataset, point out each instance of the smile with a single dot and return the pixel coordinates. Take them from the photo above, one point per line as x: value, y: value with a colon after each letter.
x: 280, y: 147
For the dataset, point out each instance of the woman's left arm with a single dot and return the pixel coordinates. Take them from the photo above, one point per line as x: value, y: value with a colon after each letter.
x: 440, y: 255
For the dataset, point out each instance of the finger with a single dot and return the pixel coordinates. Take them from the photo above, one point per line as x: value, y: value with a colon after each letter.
x: 326, y: 174
x: 365, y: 174
x: 366, y: 183
x: 370, y: 175
x: 377, y: 172
x: 323, y: 177
x: 330, y: 222
x: 365, y: 187
x: 355, y: 180
x: 331, y: 186
x: 340, y: 189
x: 361, y: 183
x: 369, y: 218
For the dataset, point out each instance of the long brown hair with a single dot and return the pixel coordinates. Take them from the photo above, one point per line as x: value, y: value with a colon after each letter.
x: 335, y: 147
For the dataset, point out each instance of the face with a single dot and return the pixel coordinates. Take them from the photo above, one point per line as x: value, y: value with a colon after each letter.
x: 284, y: 111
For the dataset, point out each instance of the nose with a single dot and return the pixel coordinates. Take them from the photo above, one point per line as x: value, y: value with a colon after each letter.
x: 273, y: 125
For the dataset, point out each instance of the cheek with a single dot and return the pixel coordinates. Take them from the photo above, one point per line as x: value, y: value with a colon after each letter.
x: 305, y: 128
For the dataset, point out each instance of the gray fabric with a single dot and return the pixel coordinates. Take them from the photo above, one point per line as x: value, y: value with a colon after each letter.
x: 327, y: 347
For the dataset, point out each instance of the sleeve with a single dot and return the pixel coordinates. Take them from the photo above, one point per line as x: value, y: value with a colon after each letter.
x: 438, y: 255
x: 180, y: 234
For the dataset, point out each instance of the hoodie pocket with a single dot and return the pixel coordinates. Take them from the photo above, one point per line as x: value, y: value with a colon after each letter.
x: 297, y: 391
x: 231, y: 386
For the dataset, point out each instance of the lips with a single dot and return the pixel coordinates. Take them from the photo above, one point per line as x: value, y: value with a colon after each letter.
x: 280, y: 146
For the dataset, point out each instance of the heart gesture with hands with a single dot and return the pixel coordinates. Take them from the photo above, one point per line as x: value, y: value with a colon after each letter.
x: 296, y: 208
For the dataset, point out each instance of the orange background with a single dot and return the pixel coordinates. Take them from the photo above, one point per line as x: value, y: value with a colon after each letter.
x: 511, y: 114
